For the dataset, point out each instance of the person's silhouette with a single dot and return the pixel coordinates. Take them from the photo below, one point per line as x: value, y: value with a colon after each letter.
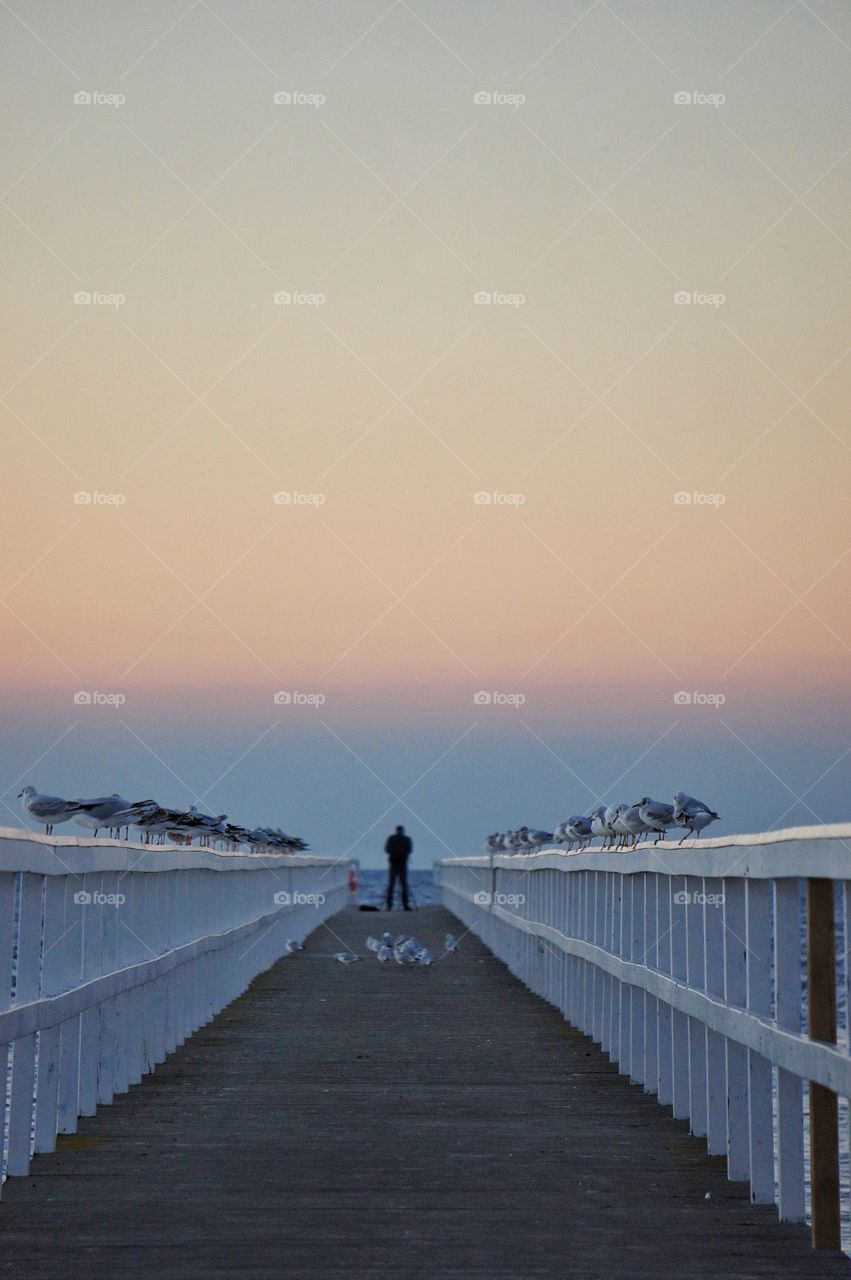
x: 398, y: 849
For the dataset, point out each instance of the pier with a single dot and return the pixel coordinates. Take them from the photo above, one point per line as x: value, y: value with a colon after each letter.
x: 473, y: 1119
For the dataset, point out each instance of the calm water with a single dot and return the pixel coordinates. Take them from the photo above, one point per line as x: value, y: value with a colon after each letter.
x: 373, y: 886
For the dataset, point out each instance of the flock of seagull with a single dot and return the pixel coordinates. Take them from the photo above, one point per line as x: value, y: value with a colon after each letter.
x: 157, y: 824
x: 619, y: 826
x: 401, y: 948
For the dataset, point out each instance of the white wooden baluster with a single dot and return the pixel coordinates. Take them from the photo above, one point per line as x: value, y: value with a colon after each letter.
x: 665, y: 1077
x: 90, y: 917
x: 8, y: 893
x: 107, y: 913
x: 695, y: 977
x: 681, y: 908
x: 27, y: 977
x: 651, y: 1011
x: 716, y: 1048
x: 790, y: 1094
x: 636, y: 996
x: 49, y: 1040
x: 735, y: 993
x: 68, y: 1101
x: 761, y: 1119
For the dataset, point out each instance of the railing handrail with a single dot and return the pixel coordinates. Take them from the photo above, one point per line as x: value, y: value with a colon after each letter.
x: 764, y: 855
x: 22, y: 850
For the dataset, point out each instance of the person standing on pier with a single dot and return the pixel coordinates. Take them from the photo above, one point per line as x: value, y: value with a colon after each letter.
x: 398, y: 848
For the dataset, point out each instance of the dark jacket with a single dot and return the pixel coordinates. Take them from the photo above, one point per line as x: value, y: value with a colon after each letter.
x: 398, y: 847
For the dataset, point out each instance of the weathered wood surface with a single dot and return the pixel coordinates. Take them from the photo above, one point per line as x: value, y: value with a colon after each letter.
x: 380, y: 1122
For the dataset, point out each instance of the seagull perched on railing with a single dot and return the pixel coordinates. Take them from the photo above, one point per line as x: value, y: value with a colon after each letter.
x: 538, y: 839
x: 631, y: 822
x: 51, y: 809
x: 692, y: 814
x: 658, y: 816
x: 619, y: 826
x: 101, y: 812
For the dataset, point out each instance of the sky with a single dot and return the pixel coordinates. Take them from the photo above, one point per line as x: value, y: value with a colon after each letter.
x: 427, y: 412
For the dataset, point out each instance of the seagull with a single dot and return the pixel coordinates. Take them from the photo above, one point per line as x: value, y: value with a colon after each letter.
x: 346, y: 957
x: 101, y: 811
x: 658, y: 816
x: 384, y: 953
x: 598, y: 822
x: 450, y: 943
x: 373, y: 944
x: 632, y: 823
x: 50, y: 809
x: 692, y: 814
x: 579, y: 829
x: 538, y: 839
x: 610, y: 817
x: 293, y: 946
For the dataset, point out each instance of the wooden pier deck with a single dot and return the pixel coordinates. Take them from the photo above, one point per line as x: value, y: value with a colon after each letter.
x: 380, y: 1122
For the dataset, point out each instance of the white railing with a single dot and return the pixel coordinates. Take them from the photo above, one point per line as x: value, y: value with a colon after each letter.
x: 690, y: 968
x: 112, y: 955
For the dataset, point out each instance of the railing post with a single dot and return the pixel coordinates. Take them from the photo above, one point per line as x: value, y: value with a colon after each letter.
x: 787, y: 998
x: 824, y: 1129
